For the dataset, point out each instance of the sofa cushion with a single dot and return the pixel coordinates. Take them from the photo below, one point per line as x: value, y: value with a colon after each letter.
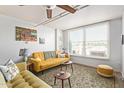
x: 53, y: 61
x: 21, y: 66
x: 16, y: 78
x: 22, y: 85
x: 60, y: 60
x: 26, y: 79
x: 39, y: 55
x: 61, y: 55
x: 49, y: 54
x: 2, y: 81
x: 47, y: 64
x: 53, y: 54
x: 18, y: 81
x: 46, y: 55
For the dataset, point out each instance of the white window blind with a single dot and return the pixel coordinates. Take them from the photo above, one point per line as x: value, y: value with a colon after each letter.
x: 90, y: 41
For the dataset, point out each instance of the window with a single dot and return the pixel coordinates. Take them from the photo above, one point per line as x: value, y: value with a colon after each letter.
x: 90, y: 41
x: 96, y: 41
x: 76, y: 42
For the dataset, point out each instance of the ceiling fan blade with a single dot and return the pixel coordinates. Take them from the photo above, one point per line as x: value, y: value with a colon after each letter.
x: 49, y: 13
x: 67, y: 8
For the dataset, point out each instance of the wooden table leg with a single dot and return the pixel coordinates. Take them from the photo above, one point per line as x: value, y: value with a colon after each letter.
x: 55, y: 81
x: 62, y: 83
x: 61, y: 68
x: 69, y: 82
x: 72, y: 67
x: 66, y: 67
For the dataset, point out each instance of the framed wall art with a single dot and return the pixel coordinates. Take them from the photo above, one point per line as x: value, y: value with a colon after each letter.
x: 41, y: 40
x: 25, y: 34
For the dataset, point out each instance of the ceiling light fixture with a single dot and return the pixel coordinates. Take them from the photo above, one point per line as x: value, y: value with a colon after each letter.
x: 50, y: 6
x: 78, y: 7
x: 21, y: 5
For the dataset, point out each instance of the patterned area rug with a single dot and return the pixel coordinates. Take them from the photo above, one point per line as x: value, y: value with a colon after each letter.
x: 82, y: 77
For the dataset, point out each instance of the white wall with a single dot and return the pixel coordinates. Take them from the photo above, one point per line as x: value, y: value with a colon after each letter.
x: 9, y: 47
x: 115, y: 48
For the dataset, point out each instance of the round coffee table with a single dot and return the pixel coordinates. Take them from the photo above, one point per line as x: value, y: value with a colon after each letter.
x: 66, y: 64
x: 62, y: 76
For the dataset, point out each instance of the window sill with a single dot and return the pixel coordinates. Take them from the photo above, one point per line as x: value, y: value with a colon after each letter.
x: 91, y: 57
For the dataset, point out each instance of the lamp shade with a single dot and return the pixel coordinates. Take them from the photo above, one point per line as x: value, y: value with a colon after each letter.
x: 26, y: 52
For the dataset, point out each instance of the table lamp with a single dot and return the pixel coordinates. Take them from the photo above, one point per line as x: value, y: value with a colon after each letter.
x: 25, y: 53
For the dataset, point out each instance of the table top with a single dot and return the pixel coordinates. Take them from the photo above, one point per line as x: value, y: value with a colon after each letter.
x: 63, y: 76
x: 68, y: 62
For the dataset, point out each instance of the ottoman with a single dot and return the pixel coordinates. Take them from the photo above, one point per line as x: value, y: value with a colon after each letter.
x: 105, y: 70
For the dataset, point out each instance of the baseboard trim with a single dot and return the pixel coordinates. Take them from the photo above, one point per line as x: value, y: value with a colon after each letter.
x: 85, y: 65
x: 93, y: 67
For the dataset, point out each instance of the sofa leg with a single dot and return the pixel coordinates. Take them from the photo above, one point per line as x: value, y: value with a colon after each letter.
x: 42, y: 72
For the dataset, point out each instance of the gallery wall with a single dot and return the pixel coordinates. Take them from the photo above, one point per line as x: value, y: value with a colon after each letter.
x: 9, y: 47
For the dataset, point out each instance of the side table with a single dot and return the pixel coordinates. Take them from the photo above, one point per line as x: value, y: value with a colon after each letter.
x: 66, y: 64
x: 30, y: 66
x: 62, y: 76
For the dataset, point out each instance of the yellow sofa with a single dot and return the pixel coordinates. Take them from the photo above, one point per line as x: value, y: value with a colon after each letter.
x: 45, y: 60
x: 25, y: 79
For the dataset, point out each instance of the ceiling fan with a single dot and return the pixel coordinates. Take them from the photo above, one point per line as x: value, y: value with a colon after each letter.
x: 49, y: 9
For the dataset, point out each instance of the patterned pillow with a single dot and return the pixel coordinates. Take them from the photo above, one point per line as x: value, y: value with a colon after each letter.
x: 10, y: 70
x: 61, y: 55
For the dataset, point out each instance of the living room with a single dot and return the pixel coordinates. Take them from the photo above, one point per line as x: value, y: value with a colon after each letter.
x: 82, y: 49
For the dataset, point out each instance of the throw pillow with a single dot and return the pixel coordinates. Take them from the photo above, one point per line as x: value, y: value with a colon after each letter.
x: 61, y: 55
x: 9, y: 70
x: 53, y: 54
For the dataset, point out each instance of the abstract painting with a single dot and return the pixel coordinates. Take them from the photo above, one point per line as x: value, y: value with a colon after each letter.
x: 25, y: 34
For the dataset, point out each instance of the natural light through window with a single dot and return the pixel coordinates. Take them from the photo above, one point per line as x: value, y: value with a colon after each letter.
x: 96, y: 41
x: 90, y: 41
x: 76, y: 42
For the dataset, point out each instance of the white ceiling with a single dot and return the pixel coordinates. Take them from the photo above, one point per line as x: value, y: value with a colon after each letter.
x: 33, y: 13
x: 37, y: 14
x: 88, y: 15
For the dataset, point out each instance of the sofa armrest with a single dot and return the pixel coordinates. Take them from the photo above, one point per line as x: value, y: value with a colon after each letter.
x: 21, y: 66
x: 35, y: 61
x: 36, y: 64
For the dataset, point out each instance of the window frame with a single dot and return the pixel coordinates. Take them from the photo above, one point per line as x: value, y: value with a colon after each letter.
x: 84, y: 41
